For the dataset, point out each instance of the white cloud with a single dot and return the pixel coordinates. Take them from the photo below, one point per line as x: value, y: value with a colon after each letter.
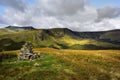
x: 105, y: 24
x: 73, y: 14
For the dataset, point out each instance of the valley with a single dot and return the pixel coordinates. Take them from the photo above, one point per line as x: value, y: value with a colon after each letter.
x: 58, y: 38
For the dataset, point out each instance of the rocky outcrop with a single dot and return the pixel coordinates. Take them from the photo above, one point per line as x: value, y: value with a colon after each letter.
x: 26, y: 53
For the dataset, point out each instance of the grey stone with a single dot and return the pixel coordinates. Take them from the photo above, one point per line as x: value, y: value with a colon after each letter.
x: 36, y: 65
x: 26, y: 53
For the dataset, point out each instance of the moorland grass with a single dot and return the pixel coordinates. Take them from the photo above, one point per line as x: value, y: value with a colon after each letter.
x: 63, y: 65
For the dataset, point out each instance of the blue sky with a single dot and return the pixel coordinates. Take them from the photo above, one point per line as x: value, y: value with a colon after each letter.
x: 1, y: 9
x: 30, y: 1
x: 103, y: 3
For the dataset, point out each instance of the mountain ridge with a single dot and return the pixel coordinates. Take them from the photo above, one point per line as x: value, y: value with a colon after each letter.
x: 60, y: 38
x: 33, y: 28
x: 17, y: 28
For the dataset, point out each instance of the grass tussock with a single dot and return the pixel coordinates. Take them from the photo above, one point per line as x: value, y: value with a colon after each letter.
x: 64, y: 65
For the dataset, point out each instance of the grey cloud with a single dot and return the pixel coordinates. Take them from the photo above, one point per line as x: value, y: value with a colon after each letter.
x: 108, y: 12
x: 2, y: 21
x: 17, y: 4
x: 62, y: 7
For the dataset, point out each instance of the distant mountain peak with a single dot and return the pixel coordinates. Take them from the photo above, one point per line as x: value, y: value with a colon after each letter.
x: 16, y: 28
x: 10, y: 26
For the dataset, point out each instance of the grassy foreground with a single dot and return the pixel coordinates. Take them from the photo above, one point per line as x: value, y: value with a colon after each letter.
x: 62, y: 65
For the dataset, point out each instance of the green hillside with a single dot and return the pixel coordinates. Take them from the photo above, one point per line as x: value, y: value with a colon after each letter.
x: 112, y: 35
x: 59, y: 38
x: 6, y: 31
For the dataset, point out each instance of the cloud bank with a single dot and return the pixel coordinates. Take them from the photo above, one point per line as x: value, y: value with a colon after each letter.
x: 74, y: 14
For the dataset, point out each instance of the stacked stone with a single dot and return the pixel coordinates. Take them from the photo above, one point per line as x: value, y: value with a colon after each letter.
x: 26, y: 53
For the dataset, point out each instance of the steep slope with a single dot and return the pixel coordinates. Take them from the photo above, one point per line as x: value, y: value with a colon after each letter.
x: 113, y: 35
x: 61, y: 38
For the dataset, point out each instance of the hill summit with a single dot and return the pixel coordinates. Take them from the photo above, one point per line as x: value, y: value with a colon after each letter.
x: 20, y: 28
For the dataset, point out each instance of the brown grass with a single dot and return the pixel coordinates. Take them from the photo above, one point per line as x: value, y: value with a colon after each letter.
x: 77, y: 65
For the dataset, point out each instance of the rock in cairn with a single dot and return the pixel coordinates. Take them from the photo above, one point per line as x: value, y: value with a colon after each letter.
x: 26, y: 53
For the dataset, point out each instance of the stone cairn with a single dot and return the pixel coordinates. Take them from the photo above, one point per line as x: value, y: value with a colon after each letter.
x: 26, y: 53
